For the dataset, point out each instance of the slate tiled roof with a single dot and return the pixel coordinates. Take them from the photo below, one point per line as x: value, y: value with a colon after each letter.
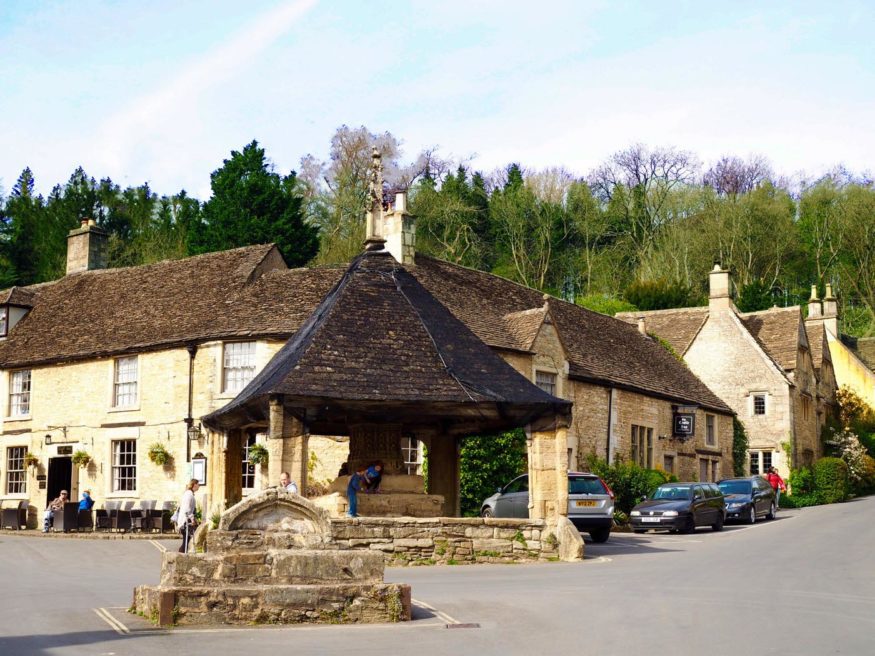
x: 600, y: 349
x: 778, y: 331
x: 380, y: 336
x: 678, y: 327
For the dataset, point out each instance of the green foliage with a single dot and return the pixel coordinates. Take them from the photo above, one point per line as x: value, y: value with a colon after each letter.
x: 798, y: 500
x: 755, y: 296
x: 831, y: 481
x: 488, y: 462
x: 258, y: 454
x: 81, y: 458
x: 605, y: 304
x: 159, y: 455
x: 251, y: 204
x: 659, y: 295
x: 802, y: 481
x: 739, y: 446
x: 629, y: 482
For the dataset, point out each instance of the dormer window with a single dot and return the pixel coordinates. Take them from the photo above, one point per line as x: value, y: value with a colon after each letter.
x: 15, y: 303
x: 4, y: 320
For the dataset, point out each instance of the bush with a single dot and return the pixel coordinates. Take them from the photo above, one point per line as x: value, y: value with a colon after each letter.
x: 801, y: 482
x: 605, y: 304
x: 739, y: 447
x: 798, y: 500
x: 628, y: 481
x: 487, y: 462
x: 659, y: 295
x: 831, y: 480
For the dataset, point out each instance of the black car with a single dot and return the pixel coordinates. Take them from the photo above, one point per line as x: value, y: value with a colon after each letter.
x: 748, y: 498
x: 680, y: 507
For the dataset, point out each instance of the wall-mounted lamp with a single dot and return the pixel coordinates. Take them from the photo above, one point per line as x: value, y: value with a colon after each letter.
x: 48, y: 439
x: 194, y: 432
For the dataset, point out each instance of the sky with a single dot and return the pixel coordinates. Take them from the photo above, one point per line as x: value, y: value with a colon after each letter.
x: 163, y: 91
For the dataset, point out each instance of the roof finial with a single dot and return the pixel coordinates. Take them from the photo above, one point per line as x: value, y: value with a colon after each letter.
x: 374, y: 219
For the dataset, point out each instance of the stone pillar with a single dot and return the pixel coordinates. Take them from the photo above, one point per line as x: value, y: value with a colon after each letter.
x: 369, y: 442
x: 443, y: 472
x: 287, y: 445
x: 548, y: 475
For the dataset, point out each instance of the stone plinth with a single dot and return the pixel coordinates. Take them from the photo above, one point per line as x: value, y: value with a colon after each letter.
x: 400, y: 496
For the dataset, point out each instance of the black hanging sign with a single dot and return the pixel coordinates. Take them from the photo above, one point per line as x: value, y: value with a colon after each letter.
x: 684, y: 424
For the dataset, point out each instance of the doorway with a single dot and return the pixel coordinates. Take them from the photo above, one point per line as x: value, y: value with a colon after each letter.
x: 60, y: 477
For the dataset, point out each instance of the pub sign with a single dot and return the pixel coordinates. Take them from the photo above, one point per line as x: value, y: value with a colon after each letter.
x: 684, y: 422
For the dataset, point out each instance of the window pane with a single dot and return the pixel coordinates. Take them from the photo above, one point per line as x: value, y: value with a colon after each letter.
x: 248, y: 468
x: 19, y: 394
x: 759, y: 404
x: 649, y: 448
x: 125, y: 385
x: 754, y: 463
x: 546, y: 381
x: 124, y: 465
x: 16, y: 478
x: 410, y: 453
x: 239, y: 365
x: 767, y: 461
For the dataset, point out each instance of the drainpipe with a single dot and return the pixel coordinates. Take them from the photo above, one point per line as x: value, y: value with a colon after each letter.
x: 610, y: 425
x: 189, y: 419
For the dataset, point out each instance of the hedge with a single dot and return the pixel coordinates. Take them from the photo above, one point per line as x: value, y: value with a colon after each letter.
x: 831, y: 480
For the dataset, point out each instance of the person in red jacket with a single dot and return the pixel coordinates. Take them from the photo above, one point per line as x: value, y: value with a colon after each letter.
x: 777, y: 484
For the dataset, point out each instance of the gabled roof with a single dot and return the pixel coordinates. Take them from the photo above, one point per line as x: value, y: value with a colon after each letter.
x: 19, y: 296
x: 380, y: 344
x: 779, y: 332
x: 678, y: 327
x: 817, y: 343
x: 524, y: 326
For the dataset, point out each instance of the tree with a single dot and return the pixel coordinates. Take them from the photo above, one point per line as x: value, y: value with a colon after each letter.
x: 732, y: 176
x: 19, y: 233
x: 754, y: 296
x: 487, y: 462
x: 251, y: 204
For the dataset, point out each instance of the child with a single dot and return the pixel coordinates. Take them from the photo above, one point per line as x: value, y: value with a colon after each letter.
x: 373, y: 476
x: 356, y: 483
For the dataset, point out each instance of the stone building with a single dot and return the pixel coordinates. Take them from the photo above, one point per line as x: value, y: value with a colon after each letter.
x: 770, y: 367
x: 114, y: 362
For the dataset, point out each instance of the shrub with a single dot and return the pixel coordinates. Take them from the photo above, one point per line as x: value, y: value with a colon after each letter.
x: 831, y: 480
x: 628, y: 481
x: 801, y: 482
x: 739, y: 447
x: 798, y: 500
x: 659, y: 295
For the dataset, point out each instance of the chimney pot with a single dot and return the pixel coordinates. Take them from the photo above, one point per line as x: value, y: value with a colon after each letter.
x: 642, y: 326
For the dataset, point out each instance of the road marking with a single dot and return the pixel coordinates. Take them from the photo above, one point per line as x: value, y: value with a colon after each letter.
x: 117, y: 626
x: 160, y: 547
x: 446, y: 618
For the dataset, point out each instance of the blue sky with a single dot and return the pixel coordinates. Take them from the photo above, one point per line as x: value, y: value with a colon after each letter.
x: 162, y: 91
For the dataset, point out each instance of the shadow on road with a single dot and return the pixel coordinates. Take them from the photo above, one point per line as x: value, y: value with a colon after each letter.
x: 48, y: 643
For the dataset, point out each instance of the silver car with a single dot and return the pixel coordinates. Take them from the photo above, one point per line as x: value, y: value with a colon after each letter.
x: 590, y: 503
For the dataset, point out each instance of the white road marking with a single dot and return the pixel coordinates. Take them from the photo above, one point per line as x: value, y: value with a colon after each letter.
x: 117, y: 626
x: 160, y: 547
x: 446, y: 618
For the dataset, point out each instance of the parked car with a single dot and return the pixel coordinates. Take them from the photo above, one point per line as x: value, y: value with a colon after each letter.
x: 680, y: 507
x: 748, y: 498
x: 590, y: 503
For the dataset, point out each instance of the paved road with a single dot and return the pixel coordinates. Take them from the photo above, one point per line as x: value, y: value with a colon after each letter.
x: 803, y: 584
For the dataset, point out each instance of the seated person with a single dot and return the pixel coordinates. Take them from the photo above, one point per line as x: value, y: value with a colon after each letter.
x: 86, y: 503
x: 56, y: 504
x: 373, y: 476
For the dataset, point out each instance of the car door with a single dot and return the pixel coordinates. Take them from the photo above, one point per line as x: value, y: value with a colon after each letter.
x: 513, y: 495
x: 701, y: 512
x: 764, y: 496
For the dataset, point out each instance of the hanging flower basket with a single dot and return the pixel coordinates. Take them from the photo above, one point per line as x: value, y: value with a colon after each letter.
x: 30, y: 460
x: 159, y: 455
x: 81, y: 458
x: 258, y: 454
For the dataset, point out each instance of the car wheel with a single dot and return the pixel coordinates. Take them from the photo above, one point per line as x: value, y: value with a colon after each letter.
x: 772, y: 511
x: 752, y: 515
x: 690, y: 525
x: 718, y: 525
x: 487, y: 512
x: 600, y: 535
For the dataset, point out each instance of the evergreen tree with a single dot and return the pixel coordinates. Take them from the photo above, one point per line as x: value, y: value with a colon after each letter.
x: 251, y: 204
x: 19, y: 233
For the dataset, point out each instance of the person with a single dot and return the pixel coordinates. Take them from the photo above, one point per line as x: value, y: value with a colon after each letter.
x: 54, y: 506
x: 373, y: 476
x: 287, y: 483
x: 86, y: 502
x: 186, y: 518
x: 777, y: 484
x: 356, y: 482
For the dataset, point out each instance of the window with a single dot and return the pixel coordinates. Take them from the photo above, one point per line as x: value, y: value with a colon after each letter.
x: 520, y: 484
x: 806, y: 408
x: 124, y: 388
x: 124, y: 465
x: 4, y: 311
x: 410, y: 453
x: 703, y: 469
x: 16, y: 478
x: 19, y: 394
x: 759, y: 404
x: 642, y: 446
x: 248, y: 468
x: 239, y: 366
x: 668, y: 463
x: 760, y: 462
x: 710, y: 430
x: 546, y: 381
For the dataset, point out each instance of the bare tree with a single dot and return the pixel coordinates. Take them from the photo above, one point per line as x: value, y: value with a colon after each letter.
x: 733, y: 176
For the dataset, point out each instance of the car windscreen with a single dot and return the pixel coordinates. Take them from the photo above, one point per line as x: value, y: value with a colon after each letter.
x: 587, y: 485
x: 672, y: 492
x: 735, y: 487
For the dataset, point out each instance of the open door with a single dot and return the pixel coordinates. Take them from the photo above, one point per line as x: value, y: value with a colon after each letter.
x: 60, y: 478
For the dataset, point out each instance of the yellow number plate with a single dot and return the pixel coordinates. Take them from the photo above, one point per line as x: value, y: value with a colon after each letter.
x: 586, y: 504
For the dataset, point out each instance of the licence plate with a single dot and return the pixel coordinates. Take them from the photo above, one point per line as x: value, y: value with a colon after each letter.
x: 586, y: 504
x: 653, y: 520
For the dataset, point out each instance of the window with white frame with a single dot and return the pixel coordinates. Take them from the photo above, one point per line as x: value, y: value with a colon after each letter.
x: 19, y: 393
x: 642, y: 446
x: 248, y: 468
x: 124, y: 388
x: 4, y: 322
x: 710, y: 430
x: 124, y: 465
x: 16, y: 476
x: 759, y: 404
x: 238, y: 367
x: 546, y: 381
x: 411, y: 453
x: 760, y: 462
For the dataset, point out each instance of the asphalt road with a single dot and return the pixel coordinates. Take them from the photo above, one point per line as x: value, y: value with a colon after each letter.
x: 803, y: 584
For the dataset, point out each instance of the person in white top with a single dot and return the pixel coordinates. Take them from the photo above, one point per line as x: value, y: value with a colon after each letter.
x: 186, y: 514
x: 287, y: 483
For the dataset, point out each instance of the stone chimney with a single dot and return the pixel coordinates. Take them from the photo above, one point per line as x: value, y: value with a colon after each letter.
x: 374, y: 240
x: 830, y: 312
x: 814, y: 307
x: 718, y: 297
x: 399, y: 229
x: 86, y: 247
x: 642, y: 326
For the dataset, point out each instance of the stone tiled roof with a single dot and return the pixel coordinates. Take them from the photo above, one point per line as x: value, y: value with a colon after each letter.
x: 777, y: 330
x: 20, y: 296
x: 817, y: 343
x: 379, y: 337
x: 600, y: 349
x: 678, y: 327
x: 524, y: 326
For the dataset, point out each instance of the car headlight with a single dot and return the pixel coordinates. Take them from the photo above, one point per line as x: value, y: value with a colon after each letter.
x: 635, y: 513
x: 670, y: 513
x: 734, y: 506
